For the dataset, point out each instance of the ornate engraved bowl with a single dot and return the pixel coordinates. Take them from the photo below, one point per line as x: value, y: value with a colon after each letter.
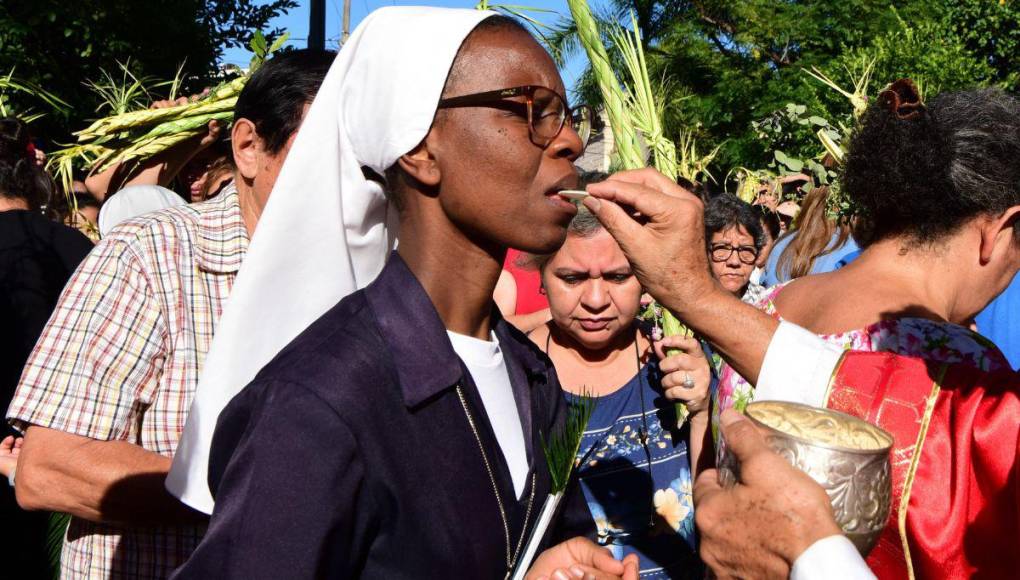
x: 847, y: 456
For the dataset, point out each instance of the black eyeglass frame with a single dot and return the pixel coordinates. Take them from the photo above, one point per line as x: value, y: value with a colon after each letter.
x: 712, y: 250
x: 527, y: 91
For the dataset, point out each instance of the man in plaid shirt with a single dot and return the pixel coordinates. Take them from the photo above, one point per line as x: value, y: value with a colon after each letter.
x: 105, y: 394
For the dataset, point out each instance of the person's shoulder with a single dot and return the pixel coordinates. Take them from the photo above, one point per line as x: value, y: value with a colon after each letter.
x: 529, y: 344
x: 57, y: 234
x: 155, y: 230
x: 944, y: 342
x: 336, y: 357
x: 538, y: 335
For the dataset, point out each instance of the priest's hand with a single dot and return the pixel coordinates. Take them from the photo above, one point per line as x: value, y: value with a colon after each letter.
x: 666, y: 246
x: 581, y: 558
x: 759, y: 527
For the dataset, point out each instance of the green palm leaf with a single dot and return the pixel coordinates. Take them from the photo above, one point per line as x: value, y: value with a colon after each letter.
x: 56, y: 528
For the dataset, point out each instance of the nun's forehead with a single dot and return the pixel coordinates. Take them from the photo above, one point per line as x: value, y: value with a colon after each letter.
x: 505, y: 57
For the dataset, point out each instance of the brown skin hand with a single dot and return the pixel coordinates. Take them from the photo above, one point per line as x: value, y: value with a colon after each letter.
x: 667, y: 252
x: 759, y: 527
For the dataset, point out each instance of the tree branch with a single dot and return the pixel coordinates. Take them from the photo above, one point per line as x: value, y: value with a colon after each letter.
x: 703, y: 15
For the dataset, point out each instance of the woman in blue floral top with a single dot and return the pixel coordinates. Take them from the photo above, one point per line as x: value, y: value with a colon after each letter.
x: 634, y: 462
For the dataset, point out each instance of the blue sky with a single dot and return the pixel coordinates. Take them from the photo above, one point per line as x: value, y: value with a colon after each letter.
x: 296, y: 21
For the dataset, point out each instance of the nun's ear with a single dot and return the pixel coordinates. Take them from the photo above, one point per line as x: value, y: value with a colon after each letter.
x: 420, y: 165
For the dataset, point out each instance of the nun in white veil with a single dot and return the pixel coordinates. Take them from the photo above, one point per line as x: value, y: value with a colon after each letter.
x: 399, y: 433
x: 326, y: 230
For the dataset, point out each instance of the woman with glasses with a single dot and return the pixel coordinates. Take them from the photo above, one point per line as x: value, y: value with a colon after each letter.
x: 634, y: 462
x: 734, y: 235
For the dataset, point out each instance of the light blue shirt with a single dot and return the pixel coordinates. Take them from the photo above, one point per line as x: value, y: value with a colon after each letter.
x: 1000, y: 322
x: 826, y: 263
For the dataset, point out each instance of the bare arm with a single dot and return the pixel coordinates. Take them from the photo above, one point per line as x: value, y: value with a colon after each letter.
x: 687, y: 362
x: 157, y: 170
x: 739, y: 332
x: 505, y: 296
x: 700, y: 441
x: 668, y: 255
x: 101, y: 481
x: 528, y: 322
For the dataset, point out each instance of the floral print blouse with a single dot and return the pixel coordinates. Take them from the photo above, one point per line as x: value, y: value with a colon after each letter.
x: 919, y: 337
x: 635, y: 474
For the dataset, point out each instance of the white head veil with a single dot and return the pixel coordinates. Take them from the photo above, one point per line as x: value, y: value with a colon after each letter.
x: 326, y: 230
x: 133, y: 201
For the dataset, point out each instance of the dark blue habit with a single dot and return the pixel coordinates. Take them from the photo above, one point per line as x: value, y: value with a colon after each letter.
x: 350, y: 455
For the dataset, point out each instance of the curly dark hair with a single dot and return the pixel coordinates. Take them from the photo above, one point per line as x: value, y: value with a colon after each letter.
x: 923, y: 175
x: 727, y: 210
x: 20, y: 177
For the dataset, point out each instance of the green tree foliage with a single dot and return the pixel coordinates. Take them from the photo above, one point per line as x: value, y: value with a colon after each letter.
x: 60, y: 45
x: 731, y: 69
x: 991, y: 30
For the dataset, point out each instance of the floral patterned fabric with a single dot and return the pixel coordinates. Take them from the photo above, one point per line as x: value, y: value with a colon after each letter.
x: 918, y: 337
x: 753, y: 293
x: 638, y: 489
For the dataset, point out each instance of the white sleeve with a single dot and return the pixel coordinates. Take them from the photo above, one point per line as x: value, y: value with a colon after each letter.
x: 832, y: 558
x: 797, y: 367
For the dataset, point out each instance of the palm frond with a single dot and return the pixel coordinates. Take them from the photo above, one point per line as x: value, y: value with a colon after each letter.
x: 128, y: 93
x: 56, y: 528
x: 561, y: 450
x: 9, y: 83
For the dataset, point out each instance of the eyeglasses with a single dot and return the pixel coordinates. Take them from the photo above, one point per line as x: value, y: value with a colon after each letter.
x: 546, y: 111
x: 722, y: 252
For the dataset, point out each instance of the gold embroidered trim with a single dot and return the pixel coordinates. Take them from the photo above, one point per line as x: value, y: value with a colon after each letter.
x: 832, y: 379
x: 908, y: 482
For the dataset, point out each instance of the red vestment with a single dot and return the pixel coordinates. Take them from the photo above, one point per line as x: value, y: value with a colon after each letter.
x: 954, y: 463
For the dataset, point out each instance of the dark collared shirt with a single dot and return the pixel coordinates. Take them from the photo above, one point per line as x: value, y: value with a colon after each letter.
x: 351, y: 455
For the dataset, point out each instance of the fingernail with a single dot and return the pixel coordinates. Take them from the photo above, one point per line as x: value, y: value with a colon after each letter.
x: 577, y: 571
x: 592, y: 203
x: 560, y: 575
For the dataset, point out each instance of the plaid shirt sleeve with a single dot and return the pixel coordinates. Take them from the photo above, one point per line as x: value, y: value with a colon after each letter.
x: 99, y: 359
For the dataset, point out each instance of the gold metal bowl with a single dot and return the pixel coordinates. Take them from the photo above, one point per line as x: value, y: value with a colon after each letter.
x: 847, y: 456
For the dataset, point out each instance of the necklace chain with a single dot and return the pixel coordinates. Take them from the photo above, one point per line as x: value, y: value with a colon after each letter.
x: 510, y: 559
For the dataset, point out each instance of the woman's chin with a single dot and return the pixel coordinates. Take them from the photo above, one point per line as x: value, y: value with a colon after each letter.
x: 733, y: 287
x: 593, y: 341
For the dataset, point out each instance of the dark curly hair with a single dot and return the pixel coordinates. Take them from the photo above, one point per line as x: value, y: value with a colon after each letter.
x: 20, y: 177
x: 727, y: 210
x: 922, y: 173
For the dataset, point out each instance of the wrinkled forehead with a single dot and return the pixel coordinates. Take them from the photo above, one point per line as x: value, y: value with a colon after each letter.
x: 595, y: 253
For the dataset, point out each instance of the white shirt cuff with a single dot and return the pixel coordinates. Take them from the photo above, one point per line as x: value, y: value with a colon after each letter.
x: 832, y: 558
x: 797, y: 367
